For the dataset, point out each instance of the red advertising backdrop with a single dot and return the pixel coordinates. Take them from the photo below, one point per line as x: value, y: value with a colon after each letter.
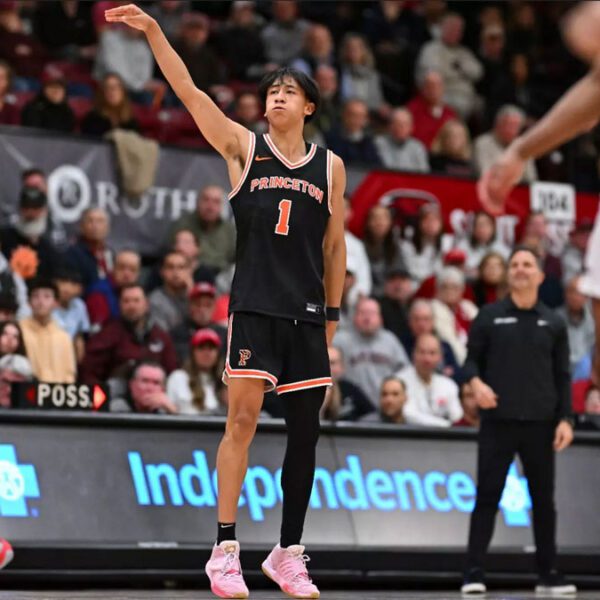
x: 457, y: 198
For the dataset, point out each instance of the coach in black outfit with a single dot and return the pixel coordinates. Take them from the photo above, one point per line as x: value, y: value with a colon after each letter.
x: 518, y: 366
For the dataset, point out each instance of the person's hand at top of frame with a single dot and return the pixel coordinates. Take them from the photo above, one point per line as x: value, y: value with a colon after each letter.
x: 131, y: 15
x: 485, y: 396
x: 496, y: 183
x: 581, y: 31
x: 563, y: 436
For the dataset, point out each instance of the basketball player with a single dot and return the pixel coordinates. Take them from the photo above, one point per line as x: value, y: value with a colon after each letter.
x: 576, y: 112
x: 288, y: 203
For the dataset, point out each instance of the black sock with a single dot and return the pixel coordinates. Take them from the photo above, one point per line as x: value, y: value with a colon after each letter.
x: 302, y: 419
x: 225, y: 531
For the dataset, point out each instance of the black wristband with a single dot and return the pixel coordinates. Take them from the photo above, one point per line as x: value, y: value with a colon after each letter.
x: 332, y: 313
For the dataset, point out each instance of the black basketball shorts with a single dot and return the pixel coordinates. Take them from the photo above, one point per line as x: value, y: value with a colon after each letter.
x: 289, y: 355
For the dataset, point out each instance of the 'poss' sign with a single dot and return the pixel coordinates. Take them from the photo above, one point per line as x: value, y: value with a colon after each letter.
x: 60, y: 396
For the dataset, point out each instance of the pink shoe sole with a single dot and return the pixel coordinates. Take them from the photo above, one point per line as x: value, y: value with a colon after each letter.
x: 217, y: 591
x: 272, y: 575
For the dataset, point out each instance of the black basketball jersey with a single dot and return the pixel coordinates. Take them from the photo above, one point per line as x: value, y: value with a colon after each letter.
x: 281, y: 212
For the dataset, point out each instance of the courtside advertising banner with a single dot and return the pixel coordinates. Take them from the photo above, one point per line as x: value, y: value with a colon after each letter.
x: 78, y: 484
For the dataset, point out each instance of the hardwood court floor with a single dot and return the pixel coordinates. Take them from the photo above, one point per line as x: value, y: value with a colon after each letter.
x: 270, y: 595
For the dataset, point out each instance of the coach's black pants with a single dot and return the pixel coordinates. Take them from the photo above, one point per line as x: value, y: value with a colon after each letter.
x: 499, y: 441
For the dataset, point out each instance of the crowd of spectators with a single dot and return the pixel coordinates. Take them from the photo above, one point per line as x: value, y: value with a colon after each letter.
x: 417, y: 85
x: 76, y: 311
x: 156, y: 334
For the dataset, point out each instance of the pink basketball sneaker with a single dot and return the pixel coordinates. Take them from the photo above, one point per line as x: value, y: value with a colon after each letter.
x: 287, y: 568
x: 6, y: 553
x: 225, y: 572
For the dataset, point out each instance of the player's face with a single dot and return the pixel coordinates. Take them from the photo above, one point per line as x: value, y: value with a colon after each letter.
x: 287, y: 103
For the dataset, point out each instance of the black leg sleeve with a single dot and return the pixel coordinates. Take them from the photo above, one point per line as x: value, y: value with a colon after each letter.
x: 302, y: 419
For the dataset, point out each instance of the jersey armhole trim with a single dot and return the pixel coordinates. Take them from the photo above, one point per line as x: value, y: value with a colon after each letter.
x: 249, y: 156
x: 329, y: 180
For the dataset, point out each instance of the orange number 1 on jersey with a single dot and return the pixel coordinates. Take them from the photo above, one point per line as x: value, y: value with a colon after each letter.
x: 283, y: 225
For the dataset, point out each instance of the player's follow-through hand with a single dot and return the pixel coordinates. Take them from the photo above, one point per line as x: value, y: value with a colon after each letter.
x: 131, y: 15
x: 497, y: 182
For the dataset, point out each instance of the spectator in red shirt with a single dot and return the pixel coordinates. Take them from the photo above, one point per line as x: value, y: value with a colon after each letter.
x: 101, y: 299
x: 130, y: 338
x: 428, y: 109
x: 9, y: 113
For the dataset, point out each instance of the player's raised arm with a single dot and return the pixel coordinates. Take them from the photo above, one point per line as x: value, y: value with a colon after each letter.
x: 576, y: 112
x: 334, y: 245
x: 227, y: 137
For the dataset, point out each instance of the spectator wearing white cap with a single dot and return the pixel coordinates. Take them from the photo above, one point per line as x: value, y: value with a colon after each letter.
x: 197, y: 388
x: 14, y: 368
x: 452, y: 313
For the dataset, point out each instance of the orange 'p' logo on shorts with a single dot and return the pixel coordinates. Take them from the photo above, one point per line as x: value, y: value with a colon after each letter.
x: 244, y: 356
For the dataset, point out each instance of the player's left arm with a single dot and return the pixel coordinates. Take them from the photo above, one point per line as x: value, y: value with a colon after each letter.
x: 334, y: 245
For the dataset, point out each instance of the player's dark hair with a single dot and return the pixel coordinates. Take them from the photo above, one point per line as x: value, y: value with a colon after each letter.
x: 306, y: 83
